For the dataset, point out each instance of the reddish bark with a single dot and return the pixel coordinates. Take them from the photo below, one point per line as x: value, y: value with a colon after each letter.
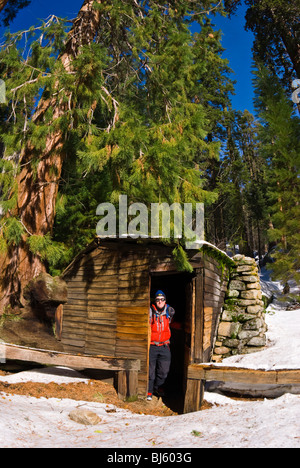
x: 3, y: 4
x: 37, y: 189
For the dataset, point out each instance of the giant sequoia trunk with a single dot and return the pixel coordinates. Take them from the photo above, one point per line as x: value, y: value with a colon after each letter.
x: 38, y: 186
x: 2, y: 4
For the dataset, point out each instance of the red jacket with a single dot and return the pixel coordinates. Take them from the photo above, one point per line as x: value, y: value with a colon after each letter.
x: 160, y: 325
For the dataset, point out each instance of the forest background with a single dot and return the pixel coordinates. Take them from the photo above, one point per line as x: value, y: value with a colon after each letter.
x: 135, y: 97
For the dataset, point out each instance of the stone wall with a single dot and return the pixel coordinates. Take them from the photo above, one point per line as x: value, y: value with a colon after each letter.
x: 242, y: 324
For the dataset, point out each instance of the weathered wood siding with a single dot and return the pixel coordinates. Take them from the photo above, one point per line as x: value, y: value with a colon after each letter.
x: 132, y: 329
x: 108, y: 302
x: 102, y: 304
x: 108, y: 305
x: 214, y: 289
x: 89, y: 317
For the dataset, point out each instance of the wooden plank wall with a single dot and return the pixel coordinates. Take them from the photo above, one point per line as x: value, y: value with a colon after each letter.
x: 102, y: 303
x: 108, y: 302
x: 133, y: 310
x: 108, y: 305
x: 75, y: 315
x: 215, y: 285
x: 89, y: 317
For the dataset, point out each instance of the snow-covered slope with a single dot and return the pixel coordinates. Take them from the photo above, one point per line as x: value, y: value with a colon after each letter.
x: 32, y: 422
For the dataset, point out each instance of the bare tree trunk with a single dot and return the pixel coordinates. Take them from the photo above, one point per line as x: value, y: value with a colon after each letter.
x: 3, y: 4
x: 289, y: 40
x: 37, y: 188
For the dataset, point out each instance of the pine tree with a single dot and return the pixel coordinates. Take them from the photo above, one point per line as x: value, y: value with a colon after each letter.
x: 10, y: 8
x: 241, y: 184
x: 117, y: 101
x: 279, y: 136
x: 276, y: 27
x: 255, y: 185
x: 217, y: 86
x: 231, y: 183
x: 34, y: 136
x: 160, y: 153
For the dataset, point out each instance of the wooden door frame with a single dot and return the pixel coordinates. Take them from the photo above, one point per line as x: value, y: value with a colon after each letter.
x: 195, y: 388
x: 197, y: 318
x: 165, y: 272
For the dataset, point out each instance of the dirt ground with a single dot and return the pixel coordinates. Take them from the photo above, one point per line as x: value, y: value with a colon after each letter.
x: 94, y: 390
x: 26, y: 330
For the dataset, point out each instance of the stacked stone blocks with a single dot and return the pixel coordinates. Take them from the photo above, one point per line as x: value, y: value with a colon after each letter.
x: 242, y: 324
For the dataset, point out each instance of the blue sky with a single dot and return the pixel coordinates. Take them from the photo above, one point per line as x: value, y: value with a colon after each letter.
x: 236, y: 41
x: 238, y: 44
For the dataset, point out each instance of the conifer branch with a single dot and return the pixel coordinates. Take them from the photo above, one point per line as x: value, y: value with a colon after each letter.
x: 28, y: 232
x: 13, y: 90
x: 205, y: 12
x: 115, y: 105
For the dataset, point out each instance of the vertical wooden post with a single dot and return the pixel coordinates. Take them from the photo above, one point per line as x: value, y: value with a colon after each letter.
x: 58, y: 321
x: 127, y: 383
x: 195, y: 388
x: 194, y: 395
x: 132, y: 383
x: 199, y: 318
x: 122, y: 384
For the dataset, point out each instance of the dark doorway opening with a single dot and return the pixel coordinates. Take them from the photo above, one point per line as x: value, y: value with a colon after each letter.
x: 176, y: 288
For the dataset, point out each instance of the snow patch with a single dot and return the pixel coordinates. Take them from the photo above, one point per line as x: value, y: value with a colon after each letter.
x: 38, y: 423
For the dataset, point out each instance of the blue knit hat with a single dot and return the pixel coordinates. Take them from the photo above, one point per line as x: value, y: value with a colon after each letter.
x: 160, y: 294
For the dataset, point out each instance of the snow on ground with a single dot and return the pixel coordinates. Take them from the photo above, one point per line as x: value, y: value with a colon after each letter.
x: 41, y: 423
x: 282, y: 352
x: 35, y: 423
x: 283, y: 343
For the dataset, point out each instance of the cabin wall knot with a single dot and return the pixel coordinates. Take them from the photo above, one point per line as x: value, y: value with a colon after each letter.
x: 242, y: 328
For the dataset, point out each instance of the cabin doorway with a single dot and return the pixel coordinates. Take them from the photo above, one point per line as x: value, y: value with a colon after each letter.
x: 178, y: 290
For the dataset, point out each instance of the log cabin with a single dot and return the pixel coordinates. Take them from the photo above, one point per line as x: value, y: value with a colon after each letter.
x: 110, y: 286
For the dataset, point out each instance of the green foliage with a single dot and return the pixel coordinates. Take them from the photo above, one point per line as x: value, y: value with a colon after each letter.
x: 140, y: 113
x: 275, y: 25
x: 11, y: 10
x: 55, y: 254
x: 8, y: 317
x: 279, y: 135
x: 13, y: 231
x: 223, y: 260
x: 196, y: 433
x: 181, y: 259
x: 155, y: 146
x: 241, y: 182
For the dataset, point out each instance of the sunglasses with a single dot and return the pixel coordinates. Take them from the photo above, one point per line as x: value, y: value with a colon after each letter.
x: 160, y: 300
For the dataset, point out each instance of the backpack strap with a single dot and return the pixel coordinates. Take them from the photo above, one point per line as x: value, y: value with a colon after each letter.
x: 153, y: 310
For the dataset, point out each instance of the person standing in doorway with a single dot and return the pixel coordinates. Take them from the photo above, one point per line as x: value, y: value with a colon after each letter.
x: 161, y: 315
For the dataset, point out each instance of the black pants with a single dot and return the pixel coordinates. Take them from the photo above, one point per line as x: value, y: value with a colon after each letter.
x: 159, y: 366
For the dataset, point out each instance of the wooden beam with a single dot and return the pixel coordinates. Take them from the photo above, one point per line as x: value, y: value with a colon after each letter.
x: 56, y: 358
x: 243, y: 375
x: 197, y: 374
